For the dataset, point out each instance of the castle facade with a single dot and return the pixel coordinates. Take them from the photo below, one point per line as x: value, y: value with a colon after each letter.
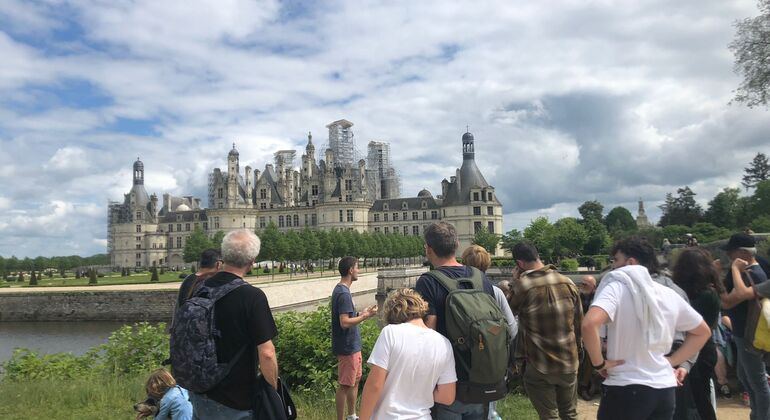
x: 336, y: 192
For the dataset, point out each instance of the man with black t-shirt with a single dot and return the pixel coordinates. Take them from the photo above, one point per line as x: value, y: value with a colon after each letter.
x: 209, y: 264
x: 440, y: 246
x: 244, y: 320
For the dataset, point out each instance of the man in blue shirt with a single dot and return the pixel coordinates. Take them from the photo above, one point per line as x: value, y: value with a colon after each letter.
x: 346, y: 338
x: 742, y: 251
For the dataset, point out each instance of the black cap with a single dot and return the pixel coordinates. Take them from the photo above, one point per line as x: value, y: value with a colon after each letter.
x: 739, y: 240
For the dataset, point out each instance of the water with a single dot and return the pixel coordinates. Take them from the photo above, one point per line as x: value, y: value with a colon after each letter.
x: 53, y: 337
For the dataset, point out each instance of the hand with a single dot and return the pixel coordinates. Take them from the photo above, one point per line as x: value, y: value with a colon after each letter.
x: 740, y: 264
x: 609, y: 364
x: 370, y: 311
x: 680, y: 373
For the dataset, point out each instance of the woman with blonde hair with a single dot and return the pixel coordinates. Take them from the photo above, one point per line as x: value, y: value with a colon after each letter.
x: 411, y: 366
x: 174, y: 401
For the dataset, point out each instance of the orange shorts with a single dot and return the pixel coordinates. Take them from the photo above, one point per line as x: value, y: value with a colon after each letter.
x: 349, y: 369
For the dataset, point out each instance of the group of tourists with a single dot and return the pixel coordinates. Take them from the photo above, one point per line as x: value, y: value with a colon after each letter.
x: 452, y: 343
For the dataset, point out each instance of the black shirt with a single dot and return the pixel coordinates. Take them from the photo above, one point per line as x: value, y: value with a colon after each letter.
x: 739, y: 312
x: 435, y: 294
x: 243, y: 317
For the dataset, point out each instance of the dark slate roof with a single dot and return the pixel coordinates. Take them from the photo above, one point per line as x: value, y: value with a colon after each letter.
x: 268, y: 175
x: 413, y: 203
x: 470, y: 177
x: 142, y: 199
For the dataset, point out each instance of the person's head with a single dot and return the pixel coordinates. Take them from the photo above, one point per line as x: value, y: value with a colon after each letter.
x: 158, y: 383
x: 694, y: 272
x: 210, y: 259
x: 348, y: 267
x: 507, y: 288
x: 587, y: 285
x: 240, y: 248
x: 634, y: 251
x: 404, y: 305
x: 524, y: 253
x: 741, y: 246
x: 477, y: 256
x: 441, y: 240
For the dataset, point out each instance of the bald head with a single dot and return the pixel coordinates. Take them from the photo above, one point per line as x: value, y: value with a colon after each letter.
x: 588, y: 284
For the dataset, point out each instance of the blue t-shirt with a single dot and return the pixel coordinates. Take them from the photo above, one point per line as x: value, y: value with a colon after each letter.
x: 739, y: 313
x: 344, y: 340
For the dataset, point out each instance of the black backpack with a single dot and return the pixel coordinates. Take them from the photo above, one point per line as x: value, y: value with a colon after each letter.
x: 478, y: 331
x: 193, y: 340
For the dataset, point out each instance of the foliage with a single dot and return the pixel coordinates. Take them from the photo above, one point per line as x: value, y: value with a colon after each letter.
x: 33, y: 279
x: 619, y: 219
x: 681, y: 210
x: 304, y: 348
x: 508, y: 240
x: 597, y: 238
x: 540, y: 233
x: 761, y: 224
x: 216, y: 240
x: 760, y: 201
x: 723, y: 208
x: 757, y: 171
x: 194, y: 246
x: 752, y: 53
x: 486, y: 239
x: 591, y: 210
x: 28, y: 365
x: 569, y: 237
x: 568, y: 264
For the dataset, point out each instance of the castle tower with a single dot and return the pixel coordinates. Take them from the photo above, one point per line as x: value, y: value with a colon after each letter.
x: 232, y: 177
x: 641, y: 218
x: 138, y: 172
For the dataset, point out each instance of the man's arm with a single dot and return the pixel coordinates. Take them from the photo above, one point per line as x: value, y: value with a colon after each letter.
x: 740, y: 291
x: 347, y: 321
x: 693, y: 342
x: 375, y: 382
x: 268, y: 363
x: 430, y: 321
x: 595, y: 318
x: 445, y: 393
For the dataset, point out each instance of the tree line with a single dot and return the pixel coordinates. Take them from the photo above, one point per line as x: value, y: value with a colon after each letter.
x: 60, y: 264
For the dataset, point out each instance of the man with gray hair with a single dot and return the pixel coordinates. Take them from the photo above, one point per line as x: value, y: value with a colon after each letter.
x: 246, y: 325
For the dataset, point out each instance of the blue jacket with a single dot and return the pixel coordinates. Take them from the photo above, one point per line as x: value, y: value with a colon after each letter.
x: 175, y: 405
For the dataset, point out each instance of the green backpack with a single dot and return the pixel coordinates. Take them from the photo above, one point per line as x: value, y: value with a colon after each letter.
x: 479, y: 335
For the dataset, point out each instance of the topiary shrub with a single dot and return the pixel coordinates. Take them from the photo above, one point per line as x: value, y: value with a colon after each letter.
x: 568, y: 264
x: 154, y: 276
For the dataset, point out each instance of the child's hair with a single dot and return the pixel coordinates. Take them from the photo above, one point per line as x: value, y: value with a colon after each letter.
x: 404, y: 305
x: 158, y: 383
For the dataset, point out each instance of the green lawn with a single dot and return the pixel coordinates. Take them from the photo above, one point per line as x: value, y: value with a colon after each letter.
x: 114, y: 399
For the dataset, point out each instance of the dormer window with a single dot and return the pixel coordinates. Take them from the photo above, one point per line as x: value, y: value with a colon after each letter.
x: 424, y: 204
x: 476, y: 196
x: 385, y: 206
x: 404, y: 206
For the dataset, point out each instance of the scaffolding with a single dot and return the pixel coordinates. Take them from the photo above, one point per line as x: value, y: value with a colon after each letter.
x: 341, y: 143
x: 378, y: 160
x: 284, y: 159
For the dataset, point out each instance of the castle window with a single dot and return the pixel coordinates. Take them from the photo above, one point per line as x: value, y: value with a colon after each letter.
x: 385, y: 206
x: 434, y: 214
x: 288, y: 220
x: 263, y: 206
x: 477, y: 211
x: 313, y: 219
x: 406, y: 230
x: 424, y: 204
x: 220, y: 205
x: 341, y: 216
x: 263, y: 193
x: 350, y: 215
x: 138, y: 238
x: 395, y: 217
x: 216, y: 223
x: 280, y: 221
x: 404, y: 206
x: 376, y: 217
x: 138, y: 256
x: 138, y: 246
x: 139, y: 215
x: 262, y: 222
x: 314, y: 190
x: 138, y: 228
x: 178, y: 227
x: 296, y: 220
x: 387, y: 229
x: 475, y: 196
x: 179, y: 242
x: 377, y: 229
x: 205, y: 226
x: 220, y: 193
x: 306, y: 219
x: 490, y: 211
x: 424, y: 215
x: 315, y: 202
x: 405, y: 215
x: 385, y: 217
x: 415, y: 230
x: 170, y: 227
x: 491, y: 227
x: 187, y: 227
x: 348, y: 197
x: 476, y: 227
x: 178, y: 217
x: 348, y: 184
x: 489, y: 195
x: 195, y: 216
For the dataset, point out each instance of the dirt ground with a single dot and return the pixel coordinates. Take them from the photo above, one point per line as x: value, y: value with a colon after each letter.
x: 732, y: 409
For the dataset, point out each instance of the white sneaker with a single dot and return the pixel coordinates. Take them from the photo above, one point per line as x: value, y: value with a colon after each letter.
x: 351, y: 417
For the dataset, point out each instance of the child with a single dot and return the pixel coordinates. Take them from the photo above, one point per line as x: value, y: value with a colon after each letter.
x: 174, y: 402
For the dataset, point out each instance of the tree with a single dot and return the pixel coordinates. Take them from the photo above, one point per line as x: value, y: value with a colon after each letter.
x: 154, y: 276
x: 216, y: 240
x: 760, y: 201
x: 761, y: 224
x: 486, y: 239
x: 196, y: 243
x: 33, y: 279
x: 540, y: 234
x: 619, y: 219
x: 598, y: 240
x: 511, y: 238
x: 751, y: 47
x: 681, y: 210
x: 757, y: 171
x: 723, y: 208
x: 591, y: 210
x: 91, y: 276
x: 569, y: 237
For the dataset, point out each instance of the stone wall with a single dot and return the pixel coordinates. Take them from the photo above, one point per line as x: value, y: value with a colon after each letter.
x: 395, y: 278
x: 130, y: 306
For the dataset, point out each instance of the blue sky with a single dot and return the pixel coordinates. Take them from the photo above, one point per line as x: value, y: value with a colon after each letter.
x: 568, y: 100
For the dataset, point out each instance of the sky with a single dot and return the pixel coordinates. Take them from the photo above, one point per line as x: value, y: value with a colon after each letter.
x: 568, y: 100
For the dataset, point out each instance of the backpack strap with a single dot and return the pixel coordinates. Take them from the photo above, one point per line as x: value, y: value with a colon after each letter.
x: 216, y: 293
x: 450, y: 284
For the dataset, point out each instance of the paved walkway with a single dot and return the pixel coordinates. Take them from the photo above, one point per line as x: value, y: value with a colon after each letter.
x: 727, y: 409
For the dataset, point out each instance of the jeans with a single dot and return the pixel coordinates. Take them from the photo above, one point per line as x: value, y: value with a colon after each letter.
x: 751, y: 372
x: 459, y: 411
x: 205, y: 408
x: 636, y: 402
x: 554, y: 396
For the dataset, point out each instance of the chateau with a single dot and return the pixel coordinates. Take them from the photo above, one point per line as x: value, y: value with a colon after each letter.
x: 336, y: 192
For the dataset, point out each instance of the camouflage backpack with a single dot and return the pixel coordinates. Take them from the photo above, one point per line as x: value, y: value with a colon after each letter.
x: 193, y: 340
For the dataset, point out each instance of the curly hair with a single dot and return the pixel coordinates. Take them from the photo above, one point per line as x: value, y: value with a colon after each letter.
x: 476, y: 256
x: 403, y: 305
x: 694, y: 272
x: 158, y: 383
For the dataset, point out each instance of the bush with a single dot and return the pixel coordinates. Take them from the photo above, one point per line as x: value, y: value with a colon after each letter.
x: 27, y: 365
x: 568, y: 264
x: 304, y: 349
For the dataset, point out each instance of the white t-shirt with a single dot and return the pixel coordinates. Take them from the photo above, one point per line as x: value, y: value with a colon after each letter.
x: 417, y: 359
x: 626, y: 342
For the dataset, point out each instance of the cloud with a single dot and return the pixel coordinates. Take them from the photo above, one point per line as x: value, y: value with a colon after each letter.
x: 568, y: 101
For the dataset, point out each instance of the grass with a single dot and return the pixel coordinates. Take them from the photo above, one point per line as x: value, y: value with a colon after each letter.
x: 113, y: 398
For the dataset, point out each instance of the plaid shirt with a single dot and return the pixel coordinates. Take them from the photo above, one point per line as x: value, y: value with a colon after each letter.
x: 549, y: 310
